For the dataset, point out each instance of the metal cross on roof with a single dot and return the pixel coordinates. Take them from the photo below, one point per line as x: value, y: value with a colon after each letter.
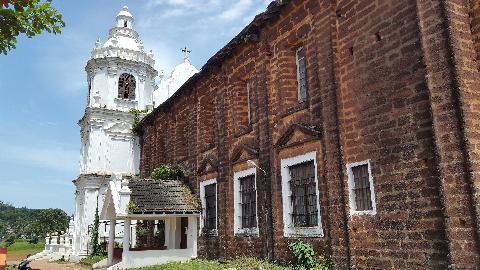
x: 186, y: 51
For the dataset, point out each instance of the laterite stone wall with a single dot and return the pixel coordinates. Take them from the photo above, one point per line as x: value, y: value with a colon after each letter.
x: 395, y: 82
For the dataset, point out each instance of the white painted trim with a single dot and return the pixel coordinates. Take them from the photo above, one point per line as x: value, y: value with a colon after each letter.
x: 249, y: 108
x: 288, y: 228
x: 351, y: 185
x: 237, y: 209
x: 202, y: 198
x: 297, y: 62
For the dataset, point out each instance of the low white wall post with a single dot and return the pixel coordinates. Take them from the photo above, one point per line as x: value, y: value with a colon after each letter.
x: 192, y: 235
x: 126, y: 240
x: 47, y: 243
x: 111, y: 241
x: 167, y: 233
x: 173, y: 233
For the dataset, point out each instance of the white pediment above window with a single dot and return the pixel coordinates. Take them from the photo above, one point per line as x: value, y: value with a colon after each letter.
x: 118, y: 128
x: 125, y: 104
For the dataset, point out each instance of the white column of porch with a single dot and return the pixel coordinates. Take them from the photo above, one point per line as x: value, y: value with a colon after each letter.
x: 126, y: 239
x: 192, y: 235
x: 111, y: 241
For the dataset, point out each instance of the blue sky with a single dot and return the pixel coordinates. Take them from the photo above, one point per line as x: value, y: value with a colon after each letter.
x: 43, y: 83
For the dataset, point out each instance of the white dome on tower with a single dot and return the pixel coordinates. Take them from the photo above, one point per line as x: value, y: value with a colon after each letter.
x: 123, y: 41
x: 123, y: 35
x: 124, y: 12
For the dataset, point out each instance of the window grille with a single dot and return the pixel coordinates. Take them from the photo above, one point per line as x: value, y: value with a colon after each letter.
x: 248, y: 195
x: 361, y: 181
x: 304, y: 194
x: 211, y: 207
x: 301, y: 74
x: 126, y: 86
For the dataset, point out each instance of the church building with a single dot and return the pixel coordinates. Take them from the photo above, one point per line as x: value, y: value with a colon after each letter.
x: 352, y: 125
x: 121, y: 78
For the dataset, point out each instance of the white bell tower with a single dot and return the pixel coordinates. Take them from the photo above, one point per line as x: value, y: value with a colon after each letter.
x: 121, y: 77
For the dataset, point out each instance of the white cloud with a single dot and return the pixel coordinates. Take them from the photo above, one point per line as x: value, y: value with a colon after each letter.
x: 192, y: 5
x: 236, y: 11
x: 164, y: 55
x: 54, y: 157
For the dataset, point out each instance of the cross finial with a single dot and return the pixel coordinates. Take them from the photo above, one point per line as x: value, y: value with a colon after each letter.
x: 186, y: 51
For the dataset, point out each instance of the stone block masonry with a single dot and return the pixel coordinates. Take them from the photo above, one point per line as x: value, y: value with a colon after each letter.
x: 392, y: 82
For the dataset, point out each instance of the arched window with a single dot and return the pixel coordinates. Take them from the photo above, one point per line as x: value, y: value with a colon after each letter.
x: 125, y: 24
x: 126, y: 86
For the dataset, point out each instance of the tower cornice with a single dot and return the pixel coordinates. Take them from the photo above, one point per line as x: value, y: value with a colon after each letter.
x: 130, y: 62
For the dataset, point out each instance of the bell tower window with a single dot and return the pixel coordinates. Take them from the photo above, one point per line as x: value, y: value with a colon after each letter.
x: 126, y: 86
x: 125, y: 24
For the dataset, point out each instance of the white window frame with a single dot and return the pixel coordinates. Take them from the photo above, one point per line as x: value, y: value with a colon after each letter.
x: 289, y: 230
x: 351, y: 185
x: 237, y: 205
x: 299, y: 84
x: 204, y: 210
x: 249, y: 110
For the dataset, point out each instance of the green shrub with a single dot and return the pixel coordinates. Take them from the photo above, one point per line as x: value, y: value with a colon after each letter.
x: 304, y: 255
x: 324, y: 263
x: 33, y: 240
x: 306, y: 258
x: 9, y: 241
x: 166, y: 172
x: 136, y: 117
x: 131, y: 206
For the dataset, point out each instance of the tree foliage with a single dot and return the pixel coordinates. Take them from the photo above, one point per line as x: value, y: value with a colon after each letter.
x: 29, y: 17
x: 51, y: 221
x: 31, y: 223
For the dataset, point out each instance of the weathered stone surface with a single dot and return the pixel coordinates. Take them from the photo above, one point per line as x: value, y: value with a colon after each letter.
x: 395, y: 82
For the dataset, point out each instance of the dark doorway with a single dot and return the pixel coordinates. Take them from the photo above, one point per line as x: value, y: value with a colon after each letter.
x: 183, y: 237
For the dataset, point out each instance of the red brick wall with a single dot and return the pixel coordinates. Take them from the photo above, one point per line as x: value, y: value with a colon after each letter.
x: 474, y: 15
x: 381, y: 86
x: 385, y: 117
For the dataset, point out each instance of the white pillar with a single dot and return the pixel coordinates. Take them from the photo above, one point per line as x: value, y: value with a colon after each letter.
x: 111, y: 241
x: 192, y: 235
x: 173, y: 233
x: 126, y: 240
x: 133, y: 236
x: 167, y: 233
x: 47, y: 243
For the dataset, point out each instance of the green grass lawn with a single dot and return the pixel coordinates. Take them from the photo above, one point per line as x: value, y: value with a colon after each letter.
x: 89, y: 261
x: 21, y: 248
x: 241, y: 263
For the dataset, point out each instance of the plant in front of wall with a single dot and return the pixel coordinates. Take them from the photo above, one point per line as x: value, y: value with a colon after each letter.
x: 166, y: 172
x: 190, y: 197
x: 141, y: 231
x: 136, y: 117
x: 304, y: 255
x: 324, y: 263
x: 96, y: 248
x: 131, y: 206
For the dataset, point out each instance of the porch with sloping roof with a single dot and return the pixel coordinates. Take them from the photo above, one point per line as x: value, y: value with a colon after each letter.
x: 167, y: 204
